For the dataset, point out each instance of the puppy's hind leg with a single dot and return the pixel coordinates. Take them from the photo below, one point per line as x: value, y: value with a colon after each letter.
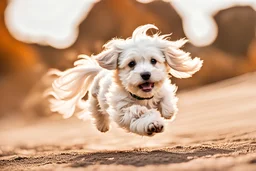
x: 101, y: 119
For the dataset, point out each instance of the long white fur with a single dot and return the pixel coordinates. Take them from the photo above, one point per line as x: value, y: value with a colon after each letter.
x: 110, y: 81
x: 72, y: 85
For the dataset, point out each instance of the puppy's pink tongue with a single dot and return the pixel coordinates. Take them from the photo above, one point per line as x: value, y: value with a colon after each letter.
x: 147, y: 86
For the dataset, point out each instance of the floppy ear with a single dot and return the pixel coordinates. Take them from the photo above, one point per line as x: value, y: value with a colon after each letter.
x: 180, y: 62
x: 108, y: 58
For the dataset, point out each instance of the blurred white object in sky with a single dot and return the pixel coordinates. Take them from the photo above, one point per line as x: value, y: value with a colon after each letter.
x: 47, y: 22
x: 198, y: 24
x: 55, y: 22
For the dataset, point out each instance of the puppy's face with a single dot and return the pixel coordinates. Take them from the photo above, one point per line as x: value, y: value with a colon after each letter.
x: 142, y: 70
x: 143, y: 62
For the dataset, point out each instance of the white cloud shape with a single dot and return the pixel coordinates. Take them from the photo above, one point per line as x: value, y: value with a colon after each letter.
x: 47, y: 22
x: 198, y: 24
x: 55, y: 22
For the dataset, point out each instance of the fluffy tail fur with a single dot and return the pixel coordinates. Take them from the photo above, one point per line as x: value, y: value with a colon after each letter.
x: 71, y: 85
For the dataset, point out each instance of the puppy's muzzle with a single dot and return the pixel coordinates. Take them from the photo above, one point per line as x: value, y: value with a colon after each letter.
x: 145, y: 75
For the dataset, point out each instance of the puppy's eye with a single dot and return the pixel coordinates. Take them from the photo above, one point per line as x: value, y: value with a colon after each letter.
x: 153, y: 61
x: 132, y: 64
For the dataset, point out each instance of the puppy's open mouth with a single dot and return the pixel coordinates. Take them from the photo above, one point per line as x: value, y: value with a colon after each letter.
x: 147, y: 86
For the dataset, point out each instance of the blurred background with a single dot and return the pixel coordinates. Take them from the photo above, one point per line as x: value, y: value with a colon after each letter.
x: 40, y: 34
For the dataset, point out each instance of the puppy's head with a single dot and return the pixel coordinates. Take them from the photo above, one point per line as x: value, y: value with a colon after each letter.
x: 143, y: 62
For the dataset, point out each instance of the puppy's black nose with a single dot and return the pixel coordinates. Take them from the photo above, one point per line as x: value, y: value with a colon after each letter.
x: 145, y: 75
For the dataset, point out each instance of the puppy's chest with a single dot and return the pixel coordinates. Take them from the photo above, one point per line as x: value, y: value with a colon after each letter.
x: 151, y: 104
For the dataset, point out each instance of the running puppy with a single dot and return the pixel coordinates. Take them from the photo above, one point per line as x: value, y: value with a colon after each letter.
x: 127, y: 82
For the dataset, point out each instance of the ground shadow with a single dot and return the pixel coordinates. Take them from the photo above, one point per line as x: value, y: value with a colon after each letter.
x: 137, y: 158
x: 142, y: 158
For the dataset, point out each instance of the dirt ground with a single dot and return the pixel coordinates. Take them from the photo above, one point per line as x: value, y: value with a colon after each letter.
x: 214, y: 130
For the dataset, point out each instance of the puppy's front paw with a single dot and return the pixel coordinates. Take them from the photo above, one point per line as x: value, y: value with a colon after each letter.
x: 155, y: 127
x: 169, y: 112
x: 169, y: 115
x: 148, y: 124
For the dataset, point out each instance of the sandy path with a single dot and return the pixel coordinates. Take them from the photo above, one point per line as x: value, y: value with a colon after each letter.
x: 214, y: 130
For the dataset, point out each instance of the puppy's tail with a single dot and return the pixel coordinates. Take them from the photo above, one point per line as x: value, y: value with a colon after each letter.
x: 71, y: 85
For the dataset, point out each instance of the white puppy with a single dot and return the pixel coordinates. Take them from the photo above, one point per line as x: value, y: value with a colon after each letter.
x: 127, y: 82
